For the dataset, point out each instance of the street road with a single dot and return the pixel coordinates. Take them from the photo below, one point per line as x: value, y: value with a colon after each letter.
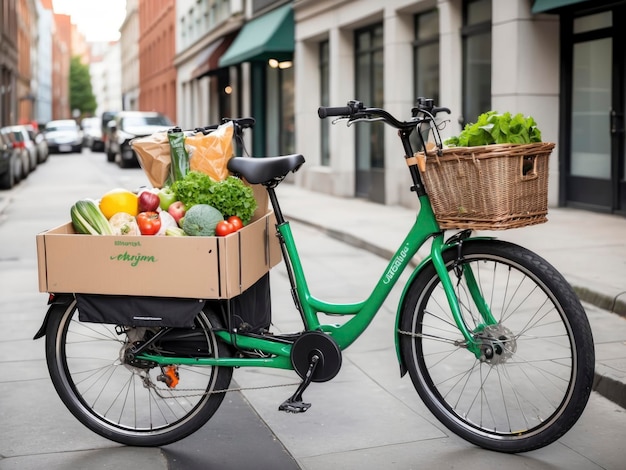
x: 368, y: 417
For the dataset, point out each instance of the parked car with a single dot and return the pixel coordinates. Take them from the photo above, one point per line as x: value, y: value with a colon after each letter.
x: 10, y: 163
x: 64, y: 135
x: 105, y: 119
x: 128, y: 125
x: 40, y: 142
x: 23, y: 140
x: 92, y: 134
x: 20, y: 151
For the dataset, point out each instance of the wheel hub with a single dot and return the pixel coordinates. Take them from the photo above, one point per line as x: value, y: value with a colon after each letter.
x: 498, y: 344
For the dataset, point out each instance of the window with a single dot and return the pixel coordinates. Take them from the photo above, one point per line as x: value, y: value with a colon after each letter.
x: 324, y: 100
x: 369, y: 90
x: 280, y: 117
x: 476, y: 35
x: 426, y: 55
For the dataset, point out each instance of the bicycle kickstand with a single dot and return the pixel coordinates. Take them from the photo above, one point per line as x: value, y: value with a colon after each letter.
x: 294, y: 404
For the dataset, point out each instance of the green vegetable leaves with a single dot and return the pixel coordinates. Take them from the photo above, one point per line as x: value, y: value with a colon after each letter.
x: 494, y: 128
x: 230, y: 196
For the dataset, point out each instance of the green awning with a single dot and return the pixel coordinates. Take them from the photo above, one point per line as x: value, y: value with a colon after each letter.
x: 541, y: 6
x: 270, y: 36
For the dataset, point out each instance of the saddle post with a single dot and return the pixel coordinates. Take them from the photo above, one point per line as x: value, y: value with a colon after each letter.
x: 274, y: 201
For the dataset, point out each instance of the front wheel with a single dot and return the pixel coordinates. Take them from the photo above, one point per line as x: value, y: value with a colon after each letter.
x: 134, y: 403
x: 534, y: 376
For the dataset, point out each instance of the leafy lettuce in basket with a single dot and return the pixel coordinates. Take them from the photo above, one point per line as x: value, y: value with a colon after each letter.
x: 495, y: 128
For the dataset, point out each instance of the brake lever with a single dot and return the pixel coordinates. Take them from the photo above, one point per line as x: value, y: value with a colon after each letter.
x: 364, y: 119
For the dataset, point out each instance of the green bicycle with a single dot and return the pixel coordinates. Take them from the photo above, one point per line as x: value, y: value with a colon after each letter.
x: 494, y: 339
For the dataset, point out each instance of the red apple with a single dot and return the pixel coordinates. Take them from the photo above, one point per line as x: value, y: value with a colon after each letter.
x: 148, y: 201
x: 177, y: 210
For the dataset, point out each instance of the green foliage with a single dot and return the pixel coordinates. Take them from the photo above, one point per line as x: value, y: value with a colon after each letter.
x: 494, y: 128
x: 230, y: 196
x: 81, y: 93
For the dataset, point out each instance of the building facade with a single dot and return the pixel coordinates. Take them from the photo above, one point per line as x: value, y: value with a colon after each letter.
x: 556, y: 60
x: 8, y: 62
x: 43, y: 101
x: 27, y: 41
x: 204, y: 30
x: 61, y: 55
x: 157, y: 74
x: 129, y: 44
x: 560, y: 61
x: 260, y: 62
x: 106, y: 76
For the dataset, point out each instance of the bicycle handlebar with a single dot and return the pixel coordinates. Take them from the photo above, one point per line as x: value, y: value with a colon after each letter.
x: 356, y: 110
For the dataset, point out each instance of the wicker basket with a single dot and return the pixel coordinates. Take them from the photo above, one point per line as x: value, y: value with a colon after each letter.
x: 491, y: 187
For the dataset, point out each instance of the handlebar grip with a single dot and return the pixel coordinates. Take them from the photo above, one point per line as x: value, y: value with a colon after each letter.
x: 324, y: 112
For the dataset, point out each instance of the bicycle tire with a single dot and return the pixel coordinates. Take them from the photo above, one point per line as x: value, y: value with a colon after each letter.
x: 537, y: 384
x: 126, y: 403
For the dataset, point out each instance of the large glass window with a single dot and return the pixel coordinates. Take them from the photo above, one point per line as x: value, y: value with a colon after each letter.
x: 426, y: 55
x: 369, y: 90
x: 280, y: 111
x: 476, y: 34
x: 324, y: 101
x: 591, y: 100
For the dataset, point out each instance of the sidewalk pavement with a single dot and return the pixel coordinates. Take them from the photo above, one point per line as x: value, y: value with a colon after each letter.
x: 588, y: 248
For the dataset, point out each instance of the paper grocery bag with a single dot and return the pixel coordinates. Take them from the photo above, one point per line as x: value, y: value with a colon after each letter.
x: 153, y: 153
x: 210, y: 153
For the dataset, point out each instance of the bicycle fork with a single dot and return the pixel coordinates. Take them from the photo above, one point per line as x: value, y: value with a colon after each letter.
x: 462, y: 270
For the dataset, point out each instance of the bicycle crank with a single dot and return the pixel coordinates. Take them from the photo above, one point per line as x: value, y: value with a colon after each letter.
x: 315, y: 357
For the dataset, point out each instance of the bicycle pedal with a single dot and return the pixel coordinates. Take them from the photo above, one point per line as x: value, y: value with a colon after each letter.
x: 294, y: 406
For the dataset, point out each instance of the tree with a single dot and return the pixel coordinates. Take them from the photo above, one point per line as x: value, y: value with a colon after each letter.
x: 81, y: 93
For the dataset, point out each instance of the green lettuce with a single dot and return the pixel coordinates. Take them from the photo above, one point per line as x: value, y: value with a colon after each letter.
x: 495, y: 128
x: 230, y: 196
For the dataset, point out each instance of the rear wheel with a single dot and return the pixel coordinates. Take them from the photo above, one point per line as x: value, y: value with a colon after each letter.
x: 533, y: 379
x: 134, y: 403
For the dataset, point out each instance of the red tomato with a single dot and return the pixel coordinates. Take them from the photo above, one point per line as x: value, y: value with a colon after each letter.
x: 236, y: 222
x: 224, y: 228
x: 149, y: 222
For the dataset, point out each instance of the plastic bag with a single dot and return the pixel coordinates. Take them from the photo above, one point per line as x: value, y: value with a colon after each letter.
x: 210, y: 153
x: 180, y: 159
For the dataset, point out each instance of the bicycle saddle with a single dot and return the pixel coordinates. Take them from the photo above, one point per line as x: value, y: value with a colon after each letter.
x: 265, y: 170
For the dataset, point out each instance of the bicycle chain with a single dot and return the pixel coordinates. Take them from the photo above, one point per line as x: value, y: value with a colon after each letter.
x: 150, y: 384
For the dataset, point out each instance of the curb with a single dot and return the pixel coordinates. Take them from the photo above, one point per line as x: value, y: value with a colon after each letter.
x: 614, y: 305
x: 607, y: 386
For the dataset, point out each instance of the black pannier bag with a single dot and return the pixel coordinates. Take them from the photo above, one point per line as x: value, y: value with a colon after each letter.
x: 251, y: 311
x: 138, y: 311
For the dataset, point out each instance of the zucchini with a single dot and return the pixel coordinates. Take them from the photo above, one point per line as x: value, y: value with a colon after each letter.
x: 88, y: 218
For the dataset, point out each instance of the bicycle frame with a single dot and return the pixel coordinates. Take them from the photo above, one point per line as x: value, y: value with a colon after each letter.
x: 424, y: 228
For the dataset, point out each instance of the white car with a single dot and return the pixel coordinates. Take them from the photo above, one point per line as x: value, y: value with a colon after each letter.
x: 64, y: 136
x: 128, y: 125
x: 92, y: 134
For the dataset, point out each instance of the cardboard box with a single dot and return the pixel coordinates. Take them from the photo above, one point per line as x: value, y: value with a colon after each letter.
x: 194, y: 267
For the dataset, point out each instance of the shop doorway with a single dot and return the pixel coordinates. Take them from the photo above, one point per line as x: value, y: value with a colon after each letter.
x: 595, y: 173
